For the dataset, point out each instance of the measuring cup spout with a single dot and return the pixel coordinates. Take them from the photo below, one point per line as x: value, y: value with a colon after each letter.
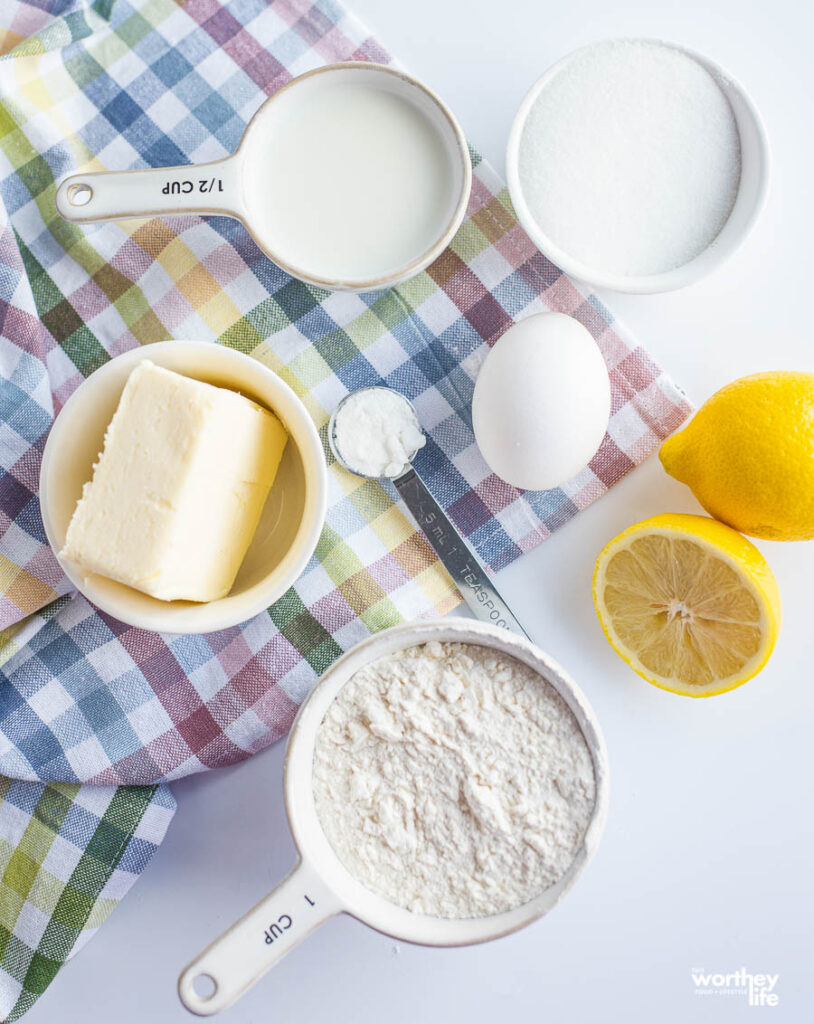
x: 236, y: 960
x: 114, y: 195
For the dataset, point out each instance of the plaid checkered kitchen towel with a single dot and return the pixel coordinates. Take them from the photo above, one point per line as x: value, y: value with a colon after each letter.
x: 84, y: 699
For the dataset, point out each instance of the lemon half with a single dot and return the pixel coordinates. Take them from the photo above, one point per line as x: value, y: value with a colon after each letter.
x: 688, y: 603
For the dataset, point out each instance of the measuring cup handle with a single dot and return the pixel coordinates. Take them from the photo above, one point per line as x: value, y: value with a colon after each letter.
x: 457, y: 557
x: 236, y: 960
x: 113, y: 195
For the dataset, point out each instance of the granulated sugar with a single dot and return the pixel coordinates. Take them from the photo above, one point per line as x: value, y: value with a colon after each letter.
x: 629, y: 160
x: 453, y: 780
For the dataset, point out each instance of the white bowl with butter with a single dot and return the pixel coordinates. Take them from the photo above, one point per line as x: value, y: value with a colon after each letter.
x: 290, y: 522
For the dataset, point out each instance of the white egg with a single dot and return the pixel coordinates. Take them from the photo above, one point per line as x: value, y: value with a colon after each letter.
x: 542, y: 402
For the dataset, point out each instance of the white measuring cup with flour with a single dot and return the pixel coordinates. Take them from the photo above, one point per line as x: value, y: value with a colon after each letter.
x: 456, y: 555
x: 352, y: 177
x: 320, y: 886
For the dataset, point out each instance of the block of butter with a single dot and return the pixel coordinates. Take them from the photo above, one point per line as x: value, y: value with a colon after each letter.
x: 178, y: 489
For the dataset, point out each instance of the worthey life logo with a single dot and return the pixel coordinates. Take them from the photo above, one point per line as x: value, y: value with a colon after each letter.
x: 759, y: 989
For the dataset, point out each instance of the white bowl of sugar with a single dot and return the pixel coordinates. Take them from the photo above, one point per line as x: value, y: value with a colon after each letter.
x: 637, y: 165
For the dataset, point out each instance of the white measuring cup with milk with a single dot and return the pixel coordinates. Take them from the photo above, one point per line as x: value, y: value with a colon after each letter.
x: 353, y: 177
x: 320, y: 886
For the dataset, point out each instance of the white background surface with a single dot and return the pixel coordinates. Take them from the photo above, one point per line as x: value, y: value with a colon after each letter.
x: 707, y: 859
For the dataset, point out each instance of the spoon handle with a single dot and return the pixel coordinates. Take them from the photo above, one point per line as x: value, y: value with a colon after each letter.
x: 457, y: 557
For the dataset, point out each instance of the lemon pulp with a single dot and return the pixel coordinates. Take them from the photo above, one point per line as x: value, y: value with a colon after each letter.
x: 688, y: 603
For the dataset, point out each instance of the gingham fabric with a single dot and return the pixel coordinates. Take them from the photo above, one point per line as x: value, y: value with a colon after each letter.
x: 68, y: 854
x: 135, y: 83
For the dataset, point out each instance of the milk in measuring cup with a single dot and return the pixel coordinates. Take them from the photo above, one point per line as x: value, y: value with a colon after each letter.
x: 352, y: 184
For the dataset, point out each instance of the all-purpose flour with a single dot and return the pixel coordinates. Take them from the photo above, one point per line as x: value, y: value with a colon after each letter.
x: 452, y: 780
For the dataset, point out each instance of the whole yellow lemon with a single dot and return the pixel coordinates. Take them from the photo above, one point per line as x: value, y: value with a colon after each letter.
x: 748, y: 455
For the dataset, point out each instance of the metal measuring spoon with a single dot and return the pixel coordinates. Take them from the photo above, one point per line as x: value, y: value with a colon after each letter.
x: 457, y: 557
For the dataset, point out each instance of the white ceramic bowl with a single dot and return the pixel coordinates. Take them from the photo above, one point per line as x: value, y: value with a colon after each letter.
x: 291, y: 521
x: 320, y: 886
x: 749, y: 202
